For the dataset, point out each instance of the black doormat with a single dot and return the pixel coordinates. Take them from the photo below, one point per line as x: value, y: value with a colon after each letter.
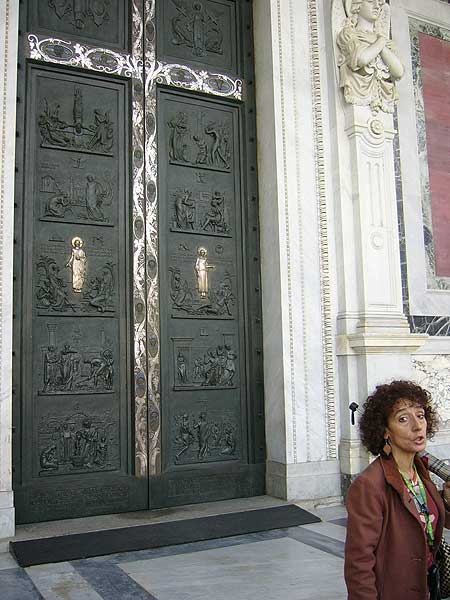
x: 143, y: 537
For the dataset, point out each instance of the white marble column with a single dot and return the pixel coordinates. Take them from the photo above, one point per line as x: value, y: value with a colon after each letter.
x: 301, y: 420
x: 8, y: 69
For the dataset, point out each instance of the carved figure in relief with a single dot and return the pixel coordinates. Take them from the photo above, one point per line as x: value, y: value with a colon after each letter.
x: 80, y: 12
x: 219, y: 153
x: 48, y: 459
x: 51, y: 368
x: 83, y: 197
x: 74, y: 443
x: 197, y: 27
x: 185, y: 436
x: 51, y: 290
x: 215, y: 437
x: 102, y: 288
x: 102, y: 368
x: 70, y: 366
x: 177, y: 143
x: 57, y: 205
x: 201, y: 268
x: 94, y: 198
x: 75, y: 133
x: 215, y: 219
x: 182, y: 374
x: 203, y: 435
x: 184, y: 209
x: 369, y: 64
x: 202, y: 154
x: 77, y: 262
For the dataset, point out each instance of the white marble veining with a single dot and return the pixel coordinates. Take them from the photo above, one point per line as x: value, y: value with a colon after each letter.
x: 274, y: 569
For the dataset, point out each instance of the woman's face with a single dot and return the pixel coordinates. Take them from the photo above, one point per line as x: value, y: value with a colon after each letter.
x: 407, y: 427
x: 370, y: 10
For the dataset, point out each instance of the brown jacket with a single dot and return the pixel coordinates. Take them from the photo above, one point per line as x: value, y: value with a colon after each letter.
x: 385, y: 549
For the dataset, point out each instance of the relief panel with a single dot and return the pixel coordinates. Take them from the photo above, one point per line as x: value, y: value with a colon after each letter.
x: 77, y: 441
x: 203, y: 280
x: 199, y: 31
x: 200, y: 138
x: 205, y: 435
x: 82, y: 118
x: 99, y: 22
x: 72, y: 356
x: 75, y: 189
x: 75, y: 275
x: 206, y: 366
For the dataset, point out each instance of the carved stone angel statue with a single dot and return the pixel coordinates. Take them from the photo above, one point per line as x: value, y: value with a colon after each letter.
x: 369, y: 63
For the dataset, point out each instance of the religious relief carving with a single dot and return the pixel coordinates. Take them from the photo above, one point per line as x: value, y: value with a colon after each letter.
x: 205, y: 213
x: 201, y: 437
x: 80, y: 13
x: 77, y: 263
x: 79, y: 199
x: 202, y: 267
x: 73, y: 368
x: 52, y: 289
x: 197, y: 27
x: 218, y: 301
x: 207, y: 146
x: 79, y: 442
x: 95, y: 136
x: 368, y: 60
x: 213, y: 367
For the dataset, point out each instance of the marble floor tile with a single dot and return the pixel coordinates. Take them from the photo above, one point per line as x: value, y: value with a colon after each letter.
x: 269, y: 570
x: 7, y: 561
x: 16, y: 585
x: 329, y: 529
x: 317, y: 540
x: 111, y: 582
x: 61, y: 581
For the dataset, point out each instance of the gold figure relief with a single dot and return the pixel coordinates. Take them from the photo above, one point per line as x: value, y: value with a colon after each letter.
x: 201, y: 268
x: 78, y: 263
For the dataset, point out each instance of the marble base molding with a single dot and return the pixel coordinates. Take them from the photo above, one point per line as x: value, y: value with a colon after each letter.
x: 303, y: 481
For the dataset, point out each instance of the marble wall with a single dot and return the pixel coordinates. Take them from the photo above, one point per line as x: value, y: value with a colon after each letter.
x: 8, y: 66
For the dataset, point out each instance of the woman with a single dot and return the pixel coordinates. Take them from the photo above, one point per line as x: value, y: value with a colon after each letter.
x: 395, y: 513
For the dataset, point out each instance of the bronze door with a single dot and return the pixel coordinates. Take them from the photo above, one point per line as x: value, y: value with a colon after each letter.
x: 137, y: 375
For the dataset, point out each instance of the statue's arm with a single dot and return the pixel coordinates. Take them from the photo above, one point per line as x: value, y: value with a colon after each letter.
x: 394, y: 63
x: 367, y: 55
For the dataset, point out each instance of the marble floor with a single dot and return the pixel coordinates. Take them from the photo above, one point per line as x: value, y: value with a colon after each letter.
x: 298, y: 563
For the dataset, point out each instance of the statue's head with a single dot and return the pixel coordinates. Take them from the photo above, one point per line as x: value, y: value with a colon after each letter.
x: 369, y: 9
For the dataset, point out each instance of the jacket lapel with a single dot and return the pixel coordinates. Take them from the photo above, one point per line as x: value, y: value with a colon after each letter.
x: 395, y: 480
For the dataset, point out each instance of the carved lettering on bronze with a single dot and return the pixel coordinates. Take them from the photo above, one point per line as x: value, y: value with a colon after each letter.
x: 203, y: 144
x: 197, y: 26
x: 205, y: 212
x: 81, y: 12
x: 75, y: 133
x: 204, y: 437
x: 79, y: 442
x: 204, y: 367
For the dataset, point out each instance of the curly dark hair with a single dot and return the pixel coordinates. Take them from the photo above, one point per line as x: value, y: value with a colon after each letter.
x: 378, y: 407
